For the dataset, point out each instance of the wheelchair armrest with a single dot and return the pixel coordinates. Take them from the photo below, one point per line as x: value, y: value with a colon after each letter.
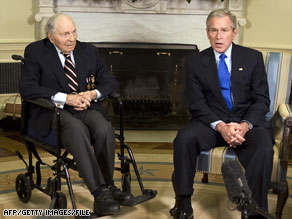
x: 45, y: 103
x: 115, y: 96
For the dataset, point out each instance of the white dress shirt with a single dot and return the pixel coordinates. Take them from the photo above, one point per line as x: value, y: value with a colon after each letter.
x: 59, y: 98
x: 229, y: 64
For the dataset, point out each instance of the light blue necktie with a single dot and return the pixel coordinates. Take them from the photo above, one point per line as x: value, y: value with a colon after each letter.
x: 224, y: 79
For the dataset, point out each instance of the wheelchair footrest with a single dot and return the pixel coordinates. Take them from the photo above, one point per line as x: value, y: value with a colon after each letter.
x: 147, y: 195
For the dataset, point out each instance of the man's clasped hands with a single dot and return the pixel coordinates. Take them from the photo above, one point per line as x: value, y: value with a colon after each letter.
x: 81, y: 101
x: 233, y: 133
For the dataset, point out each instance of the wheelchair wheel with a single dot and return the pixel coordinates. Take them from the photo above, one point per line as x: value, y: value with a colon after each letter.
x: 23, y: 188
x: 126, y: 182
x: 59, y: 201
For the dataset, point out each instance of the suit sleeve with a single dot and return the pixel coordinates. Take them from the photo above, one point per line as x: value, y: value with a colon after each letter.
x: 259, y: 94
x: 30, y: 81
x: 194, y: 93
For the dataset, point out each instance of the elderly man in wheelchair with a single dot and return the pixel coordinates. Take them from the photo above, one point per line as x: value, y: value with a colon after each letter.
x: 70, y: 74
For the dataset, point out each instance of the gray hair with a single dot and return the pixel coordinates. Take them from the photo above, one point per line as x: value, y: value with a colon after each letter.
x: 51, y: 23
x: 222, y: 13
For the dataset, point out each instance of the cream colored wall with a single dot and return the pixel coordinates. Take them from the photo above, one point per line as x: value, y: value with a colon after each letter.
x: 17, y: 27
x: 269, y: 24
x: 269, y: 27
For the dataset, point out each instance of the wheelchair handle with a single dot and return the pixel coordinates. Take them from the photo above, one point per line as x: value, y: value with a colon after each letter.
x: 17, y: 57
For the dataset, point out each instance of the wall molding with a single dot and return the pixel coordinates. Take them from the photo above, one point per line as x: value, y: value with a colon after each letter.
x: 271, y: 48
x: 12, y: 45
x: 157, y: 21
x: 7, y: 48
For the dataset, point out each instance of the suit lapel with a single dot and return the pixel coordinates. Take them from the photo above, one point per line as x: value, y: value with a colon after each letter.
x: 56, y: 65
x: 80, y: 67
x: 211, y: 70
x: 236, y: 71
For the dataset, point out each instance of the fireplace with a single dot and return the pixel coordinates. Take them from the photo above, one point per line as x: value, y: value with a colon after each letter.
x: 151, y: 78
x: 150, y: 71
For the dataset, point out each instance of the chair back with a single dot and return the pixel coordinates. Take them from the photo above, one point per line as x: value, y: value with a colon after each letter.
x: 279, y: 70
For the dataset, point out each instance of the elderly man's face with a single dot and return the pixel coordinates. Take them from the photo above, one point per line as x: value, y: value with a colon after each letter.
x: 65, y: 35
x: 220, y: 33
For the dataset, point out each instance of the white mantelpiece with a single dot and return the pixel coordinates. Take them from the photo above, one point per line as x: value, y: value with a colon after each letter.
x: 159, y: 21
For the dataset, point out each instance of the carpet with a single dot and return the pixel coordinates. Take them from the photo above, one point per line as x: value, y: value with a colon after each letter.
x: 154, y: 161
x: 209, y: 201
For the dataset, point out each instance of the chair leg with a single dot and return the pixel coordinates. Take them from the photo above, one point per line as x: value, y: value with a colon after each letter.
x: 205, y: 178
x: 282, y: 191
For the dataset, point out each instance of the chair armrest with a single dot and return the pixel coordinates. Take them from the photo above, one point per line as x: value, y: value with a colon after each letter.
x: 45, y: 103
x: 285, y: 114
x: 115, y: 96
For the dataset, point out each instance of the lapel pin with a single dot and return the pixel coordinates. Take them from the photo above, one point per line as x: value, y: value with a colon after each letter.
x: 240, y: 69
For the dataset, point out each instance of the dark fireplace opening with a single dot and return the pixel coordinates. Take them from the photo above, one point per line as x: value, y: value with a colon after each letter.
x: 151, y: 78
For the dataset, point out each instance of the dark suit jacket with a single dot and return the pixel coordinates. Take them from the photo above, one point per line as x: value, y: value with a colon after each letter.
x: 43, y: 76
x: 249, y: 88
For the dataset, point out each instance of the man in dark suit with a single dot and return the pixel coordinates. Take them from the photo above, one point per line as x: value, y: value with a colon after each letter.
x: 60, y: 68
x: 225, y: 113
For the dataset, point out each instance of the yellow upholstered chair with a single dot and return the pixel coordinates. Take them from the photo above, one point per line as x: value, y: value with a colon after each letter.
x: 279, y: 71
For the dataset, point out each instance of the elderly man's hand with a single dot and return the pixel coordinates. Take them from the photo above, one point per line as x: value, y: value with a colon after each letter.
x: 91, y: 94
x: 79, y: 102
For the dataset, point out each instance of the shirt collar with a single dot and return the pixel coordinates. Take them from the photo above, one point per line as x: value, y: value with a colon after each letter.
x: 227, y: 53
x: 61, y: 56
x: 59, y: 51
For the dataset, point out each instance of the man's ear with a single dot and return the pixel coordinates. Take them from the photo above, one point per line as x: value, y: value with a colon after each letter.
x: 234, y: 33
x: 207, y: 32
x: 51, y: 38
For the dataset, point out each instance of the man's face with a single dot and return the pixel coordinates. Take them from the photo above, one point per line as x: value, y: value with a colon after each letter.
x: 220, y: 33
x: 65, y: 35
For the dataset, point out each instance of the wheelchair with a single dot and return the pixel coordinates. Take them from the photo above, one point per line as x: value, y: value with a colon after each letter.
x: 26, y: 182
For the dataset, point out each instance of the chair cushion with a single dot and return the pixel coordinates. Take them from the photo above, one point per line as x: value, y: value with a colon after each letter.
x: 210, y: 161
x: 49, y: 140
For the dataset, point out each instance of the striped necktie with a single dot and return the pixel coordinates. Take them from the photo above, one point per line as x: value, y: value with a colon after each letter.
x: 69, y: 69
x: 224, y: 79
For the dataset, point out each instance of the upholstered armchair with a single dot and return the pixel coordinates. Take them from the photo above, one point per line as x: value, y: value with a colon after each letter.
x: 279, y: 71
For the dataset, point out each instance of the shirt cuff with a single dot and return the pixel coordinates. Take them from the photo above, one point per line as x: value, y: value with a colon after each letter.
x: 98, y: 94
x: 213, y: 124
x: 249, y: 124
x: 59, y: 99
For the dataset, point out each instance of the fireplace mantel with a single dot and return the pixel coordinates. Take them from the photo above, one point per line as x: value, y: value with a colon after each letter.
x: 156, y: 21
